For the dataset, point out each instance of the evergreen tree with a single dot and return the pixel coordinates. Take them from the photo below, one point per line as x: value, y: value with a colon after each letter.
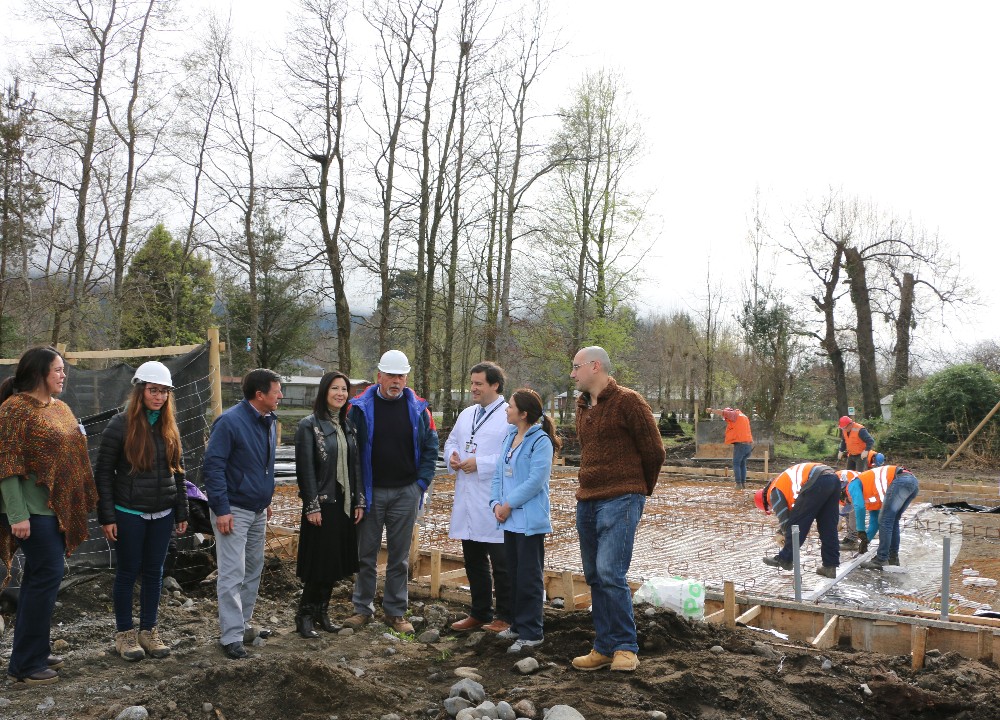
x: 167, y: 297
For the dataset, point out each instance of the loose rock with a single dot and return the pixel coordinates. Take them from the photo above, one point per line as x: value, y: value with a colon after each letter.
x: 717, y: 649
x: 391, y: 716
x: 469, y: 689
x: 526, y: 666
x: 474, y: 639
x: 46, y: 704
x: 827, y: 665
x: 467, y: 714
x: 487, y: 709
x: 650, y: 611
x: 563, y: 712
x: 505, y: 711
x: 429, y: 636
x: 170, y: 584
x: 346, y: 631
x: 207, y: 707
x: 657, y: 715
x: 526, y: 708
x: 558, y: 603
x: 60, y: 646
x: 468, y: 672
x: 865, y: 689
x: 135, y: 712
x: 453, y: 705
x: 436, y: 616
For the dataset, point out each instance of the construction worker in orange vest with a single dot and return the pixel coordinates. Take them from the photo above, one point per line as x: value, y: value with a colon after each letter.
x: 884, y: 492
x: 855, y: 440
x: 801, y: 494
x: 739, y: 436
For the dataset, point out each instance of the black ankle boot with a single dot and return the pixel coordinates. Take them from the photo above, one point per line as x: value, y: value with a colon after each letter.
x: 321, y: 617
x: 304, y: 622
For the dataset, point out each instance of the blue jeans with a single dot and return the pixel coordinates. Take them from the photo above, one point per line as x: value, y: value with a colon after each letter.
x: 44, y: 551
x: 741, y: 451
x: 898, y: 497
x: 141, y: 549
x: 607, y: 534
x: 819, y: 503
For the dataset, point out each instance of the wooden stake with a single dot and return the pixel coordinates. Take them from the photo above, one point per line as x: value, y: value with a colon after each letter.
x: 828, y: 636
x: 973, y: 434
x: 215, y: 371
x: 729, y: 602
x: 749, y: 615
x: 918, y: 645
x: 985, y: 645
x: 435, y: 573
x: 415, y: 550
x: 569, y: 592
x: 767, y: 458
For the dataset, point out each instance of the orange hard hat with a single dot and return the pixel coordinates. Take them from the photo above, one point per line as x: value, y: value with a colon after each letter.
x: 845, y: 421
x: 760, y: 501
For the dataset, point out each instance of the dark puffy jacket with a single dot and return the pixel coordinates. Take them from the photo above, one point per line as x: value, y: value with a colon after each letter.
x: 151, y: 491
x: 316, y: 463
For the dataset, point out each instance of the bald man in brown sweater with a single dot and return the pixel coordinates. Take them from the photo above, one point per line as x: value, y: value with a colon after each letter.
x: 621, y: 456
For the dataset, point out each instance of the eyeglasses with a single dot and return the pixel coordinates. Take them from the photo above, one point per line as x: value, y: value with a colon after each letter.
x: 158, y: 391
x: 577, y: 367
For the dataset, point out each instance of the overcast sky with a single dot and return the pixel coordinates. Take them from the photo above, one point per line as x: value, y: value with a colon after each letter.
x: 895, y: 102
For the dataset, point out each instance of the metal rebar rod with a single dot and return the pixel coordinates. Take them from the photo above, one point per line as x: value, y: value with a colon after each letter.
x: 797, y: 577
x: 945, y: 576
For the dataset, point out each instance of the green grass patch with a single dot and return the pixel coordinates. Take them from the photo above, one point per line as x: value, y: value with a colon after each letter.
x: 816, y: 441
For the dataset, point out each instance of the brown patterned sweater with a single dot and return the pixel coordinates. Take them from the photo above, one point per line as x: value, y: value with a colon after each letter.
x: 45, y: 439
x: 621, y: 449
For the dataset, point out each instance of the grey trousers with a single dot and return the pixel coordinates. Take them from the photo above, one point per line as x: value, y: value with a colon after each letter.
x: 394, y: 509
x: 240, y: 556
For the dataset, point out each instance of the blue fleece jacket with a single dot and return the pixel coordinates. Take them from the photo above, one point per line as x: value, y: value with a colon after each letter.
x: 238, y: 469
x: 526, y: 488
x: 425, y: 437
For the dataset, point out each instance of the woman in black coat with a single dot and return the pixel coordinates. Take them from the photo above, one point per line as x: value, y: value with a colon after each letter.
x: 328, y: 470
x: 141, y: 501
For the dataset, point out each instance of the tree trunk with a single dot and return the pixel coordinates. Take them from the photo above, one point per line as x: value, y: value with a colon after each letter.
x: 904, y: 323
x: 855, y: 266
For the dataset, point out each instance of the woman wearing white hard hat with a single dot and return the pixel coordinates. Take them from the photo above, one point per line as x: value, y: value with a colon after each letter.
x: 140, y: 484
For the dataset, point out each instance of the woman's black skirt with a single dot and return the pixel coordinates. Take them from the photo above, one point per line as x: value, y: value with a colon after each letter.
x: 328, y: 553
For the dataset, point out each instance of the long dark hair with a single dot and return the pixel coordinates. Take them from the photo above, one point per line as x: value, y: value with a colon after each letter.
x: 139, y: 449
x: 528, y: 401
x: 320, y: 409
x: 32, y: 369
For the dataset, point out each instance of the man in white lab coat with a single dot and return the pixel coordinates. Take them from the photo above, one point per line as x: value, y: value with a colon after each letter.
x: 473, y: 450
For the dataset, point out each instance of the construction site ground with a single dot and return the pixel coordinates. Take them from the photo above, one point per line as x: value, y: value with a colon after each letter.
x: 688, y: 669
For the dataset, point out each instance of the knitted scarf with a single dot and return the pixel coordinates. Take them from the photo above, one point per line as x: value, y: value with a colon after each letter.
x: 45, y: 439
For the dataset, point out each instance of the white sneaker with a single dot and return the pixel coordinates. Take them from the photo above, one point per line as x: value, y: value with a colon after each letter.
x: 522, y: 644
x: 508, y: 634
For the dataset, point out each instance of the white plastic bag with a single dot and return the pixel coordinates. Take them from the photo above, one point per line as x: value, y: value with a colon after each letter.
x: 684, y: 596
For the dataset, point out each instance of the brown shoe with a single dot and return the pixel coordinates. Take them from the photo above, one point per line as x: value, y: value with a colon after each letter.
x: 127, y: 645
x: 149, y: 640
x: 399, y: 623
x: 497, y: 626
x: 356, y: 622
x: 469, y: 623
x: 592, y: 661
x: 625, y: 661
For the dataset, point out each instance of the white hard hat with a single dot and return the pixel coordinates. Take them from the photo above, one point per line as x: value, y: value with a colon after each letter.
x: 394, y: 362
x: 154, y: 372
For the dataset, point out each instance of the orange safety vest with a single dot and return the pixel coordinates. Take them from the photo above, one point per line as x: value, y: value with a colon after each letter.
x: 855, y: 445
x: 738, y: 431
x: 875, y: 484
x: 791, y: 481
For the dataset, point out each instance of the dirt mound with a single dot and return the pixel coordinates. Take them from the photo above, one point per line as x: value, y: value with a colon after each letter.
x: 688, y: 670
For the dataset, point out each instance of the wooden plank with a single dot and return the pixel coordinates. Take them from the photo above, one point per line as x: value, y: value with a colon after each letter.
x: 984, y: 645
x: 582, y: 600
x: 828, y: 637
x: 131, y: 352
x: 458, y: 574
x: 414, y: 548
x: 749, y: 615
x: 968, y: 619
x: 918, y: 645
x: 435, y: 573
x: 716, y: 617
x: 729, y: 603
x: 569, y: 591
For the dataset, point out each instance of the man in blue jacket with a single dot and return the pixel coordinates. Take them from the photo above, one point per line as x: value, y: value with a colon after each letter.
x: 239, y: 480
x: 398, y: 456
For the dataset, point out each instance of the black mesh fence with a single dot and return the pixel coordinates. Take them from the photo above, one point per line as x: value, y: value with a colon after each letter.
x: 95, y: 396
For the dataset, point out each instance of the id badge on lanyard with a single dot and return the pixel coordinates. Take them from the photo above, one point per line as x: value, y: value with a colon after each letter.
x: 470, y: 447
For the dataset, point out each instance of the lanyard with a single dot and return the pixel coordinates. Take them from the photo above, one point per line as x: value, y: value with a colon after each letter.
x: 476, y: 426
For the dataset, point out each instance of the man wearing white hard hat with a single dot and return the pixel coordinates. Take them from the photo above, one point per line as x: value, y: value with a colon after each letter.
x: 398, y: 458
